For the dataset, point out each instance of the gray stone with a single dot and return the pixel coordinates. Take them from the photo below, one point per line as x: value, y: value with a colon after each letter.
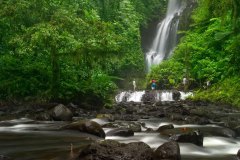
x: 168, y: 151
x: 164, y: 127
x: 238, y: 154
x: 134, y: 126
x: 86, y: 126
x: 122, y: 132
x: 194, y: 137
x: 113, y: 150
x: 61, y: 113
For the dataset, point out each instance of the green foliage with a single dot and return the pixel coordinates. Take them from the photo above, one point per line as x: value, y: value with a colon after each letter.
x: 209, y: 51
x: 168, y: 70
x: 226, y: 91
x: 69, y: 50
x: 150, y: 9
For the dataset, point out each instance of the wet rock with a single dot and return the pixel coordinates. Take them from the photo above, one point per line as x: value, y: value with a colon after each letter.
x: 129, y: 117
x: 176, y: 95
x: 226, y: 132
x: 200, y: 111
x: 131, y: 109
x: 238, y: 154
x: 44, y: 116
x: 194, y: 137
x: 176, y: 109
x: 72, y: 105
x: 134, y: 126
x: 108, y: 117
x: 176, y: 117
x: 164, y: 127
x: 159, y: 103
x: 86, y: 126
x: 113, y: 150
x: 149, y: 130
x: 148, y: 97
x: 61, y: 113
x: 237, y: 129
x: 196, y: 120
x: 122, y: 132
x: 167, y: 151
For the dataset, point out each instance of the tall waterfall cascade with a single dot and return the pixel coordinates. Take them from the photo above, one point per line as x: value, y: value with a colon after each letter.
x: 166, y: 36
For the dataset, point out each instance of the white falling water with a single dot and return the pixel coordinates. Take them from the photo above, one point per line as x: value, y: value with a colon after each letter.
x: 166, y: 96
x: 184, y: 95
x: 130, y: 96
x: 166, y: 36
x: 136, y: 96
x: 159, y: 96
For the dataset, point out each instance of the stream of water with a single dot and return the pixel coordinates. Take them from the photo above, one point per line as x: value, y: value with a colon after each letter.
x: 214, y: 147
x: 23, y: 139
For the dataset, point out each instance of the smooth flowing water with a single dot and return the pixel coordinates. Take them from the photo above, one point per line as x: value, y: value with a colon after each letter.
x: 214, y: 147
x: 165, y: 39
x: 23, y: 139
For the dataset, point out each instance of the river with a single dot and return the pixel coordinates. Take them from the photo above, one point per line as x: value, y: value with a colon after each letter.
x: 25, y: 139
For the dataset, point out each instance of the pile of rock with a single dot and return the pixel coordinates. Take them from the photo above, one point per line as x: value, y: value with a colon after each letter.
x: 113, y: 150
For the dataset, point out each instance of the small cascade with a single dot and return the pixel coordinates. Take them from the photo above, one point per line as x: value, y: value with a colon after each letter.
x: 167, y: 96
x: 136, y: 96
x: 158, y: 96
x: 184, y: 95
x: 165, y: 39
x: 121, y: 97
x: 129, y: 96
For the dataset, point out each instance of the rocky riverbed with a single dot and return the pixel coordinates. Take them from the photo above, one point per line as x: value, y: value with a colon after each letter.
x: 123, y: 119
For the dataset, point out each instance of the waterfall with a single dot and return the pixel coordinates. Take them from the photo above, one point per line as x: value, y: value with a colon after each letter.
x: 159, y: 96
x: 165, y: 39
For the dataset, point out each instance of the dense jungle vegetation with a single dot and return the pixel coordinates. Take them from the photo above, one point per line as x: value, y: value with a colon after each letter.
x: 79, y: 50
x: 208, y: 51
x: 71, y: 50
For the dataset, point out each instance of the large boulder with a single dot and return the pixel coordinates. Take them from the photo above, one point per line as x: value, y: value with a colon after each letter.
x: 61, y: 113
x: 86, y: 126
x: 164, y: 127
x: 167, y: 151
x: 194, y: 137
x: 207, y: 131
x: 113, y: 150
x: 122, y: 132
